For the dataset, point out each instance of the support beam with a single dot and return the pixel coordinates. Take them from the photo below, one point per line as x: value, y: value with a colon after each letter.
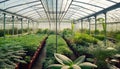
x: 21, y: 25
x: 89, y: 20
x: 95, y: 24
x: 4, y: 22
x: 4, y: 1
x: 105, y: 28
x: 81, y: 26
x: 28, y: 26
x: 15, y: 14
x: 21, y: 4
x: 13, y: 25
x: 56, y: 25
x: 117, y: 5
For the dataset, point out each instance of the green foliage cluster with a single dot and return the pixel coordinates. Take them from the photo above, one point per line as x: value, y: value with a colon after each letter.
x: 83, y: 39
x: 66, y: 32
x: 66, y: 63
x: 62, y: 46
x: 51, y: 49
x: 13, y: 49
x: 30, y: 42
x: 100, y: 37
x: 102, y: 52
x: 10, y: 53
x: 116, y: 35
x: 45, y: 31
x: 10, y: 31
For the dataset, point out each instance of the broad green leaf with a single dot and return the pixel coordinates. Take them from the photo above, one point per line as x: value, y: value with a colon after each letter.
x: 63, y: 59
x: 55, y: 66
x: 117, y: 55
x: 76, y: 67
x: 115, y: 60
x: 111, y: 49
x: 65, y: 67
x: 79, y: 60
x: 87, y: 64
x: 90, y: 59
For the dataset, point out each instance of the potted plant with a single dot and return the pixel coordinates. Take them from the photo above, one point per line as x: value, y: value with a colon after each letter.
x: 66, y: 63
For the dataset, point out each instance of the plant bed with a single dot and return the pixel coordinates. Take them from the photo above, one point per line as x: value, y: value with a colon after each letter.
x: 51, y: 49
x: 34, y: 57
x: 79, y: 43
x: 77, y: 54
x: 17, y: 48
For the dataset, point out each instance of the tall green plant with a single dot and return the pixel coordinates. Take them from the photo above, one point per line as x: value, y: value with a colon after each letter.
x: 104, y: 25
x: 72, y: 27
x: 102, y: 20
x: 66, y: 63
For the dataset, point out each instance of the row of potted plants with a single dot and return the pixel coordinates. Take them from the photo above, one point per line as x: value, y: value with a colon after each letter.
x: 18, y: 49
x: 84, y: 44
x: 62, y: 48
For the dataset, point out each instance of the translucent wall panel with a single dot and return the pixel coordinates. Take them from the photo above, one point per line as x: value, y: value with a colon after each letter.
x: 63, y: 25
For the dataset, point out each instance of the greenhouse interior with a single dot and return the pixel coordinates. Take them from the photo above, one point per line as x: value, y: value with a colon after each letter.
x: 59, y: 34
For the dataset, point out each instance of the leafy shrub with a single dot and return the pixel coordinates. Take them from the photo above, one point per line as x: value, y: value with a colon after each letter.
x: 10, y: 31
x: 100, y: 37
x: 27, y: 44
x: 10, y: 54
x: 51, y: 49
x: 25, y: 30
x: 102, y: 52
x: 30, y: 42
x: 66, y: 32
x: 39, y: 31
x: 81, y: 39
x: 45, y: 31
x: 66, y: 63
x: 117, y: 37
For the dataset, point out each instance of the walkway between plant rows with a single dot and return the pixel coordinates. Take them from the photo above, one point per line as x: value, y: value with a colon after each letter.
x: 38, y: 63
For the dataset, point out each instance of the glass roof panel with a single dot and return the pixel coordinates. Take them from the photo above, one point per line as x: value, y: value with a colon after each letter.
x: 101, y: 3
x: 87, y: 6
x: 23, y: 6
x: 65, y: 8
x: 19, y: 2
x: 117, y: 1
x: 96, y: 5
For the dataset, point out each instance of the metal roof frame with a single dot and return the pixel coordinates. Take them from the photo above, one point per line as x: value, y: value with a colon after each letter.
x: 89, y: 4
x: 27, y: 8
x: 79, y: 10
x: 32, y: 10
x: 20, y: 5
x: 4, y: 1
x: 103, y: 11
x: 4, y: 11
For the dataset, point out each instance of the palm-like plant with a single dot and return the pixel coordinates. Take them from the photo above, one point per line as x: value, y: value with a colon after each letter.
x: 66, y: 63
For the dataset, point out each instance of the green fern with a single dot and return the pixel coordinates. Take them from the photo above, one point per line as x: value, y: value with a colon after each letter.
x: 10, y: 55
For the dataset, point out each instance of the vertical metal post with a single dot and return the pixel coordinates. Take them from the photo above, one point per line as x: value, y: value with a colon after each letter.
x: 21, y: 26
x: 59, y: 26
x: 49, y: 25
x: 4, y: 22
x: 33, y: 26
x: 89, y: 20
x: 13, y: 25
x: 81, y: 26
x: 105, y: 28
x: 28, y: 26
x: 95, y: 24
x: 56, y: 26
